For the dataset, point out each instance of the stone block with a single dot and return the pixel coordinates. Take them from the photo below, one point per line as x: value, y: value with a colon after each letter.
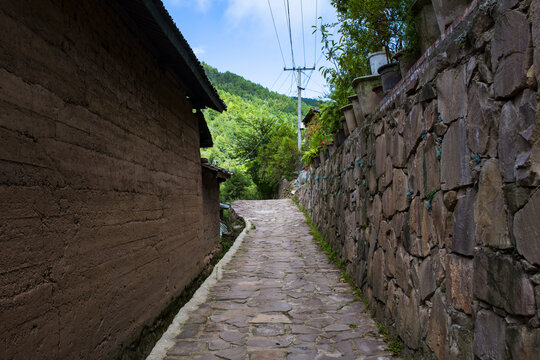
x: 483, y: 111
x: 424, y: 168
x: 461, y: 346
x: 511, y: 75
x: 516, y: 196
x: 463, y: 240
x: 489, y: 336
x: 509, y: 52
x: 515, y: 118
x: 511, y: 35
x: 397, y: 151
x: 411, y: 128
x: 455, y: 158
x: 500, y: 281
x: 459, y: 283
x: 408, y: 320
x: 377, y: 274
x: 400, y: 186
x: 387, y: 176
x: 403, y: 261
x: 380, y: 155
x: 437, y: 338
x: 440, y: 215
x: 372, y: 180
x: 522, y: 342
x: 415, y: 243
x: 452, y: 90
x: 489, y: 208
x: 388, y: 203
x: 424, y: 278
x: 527, y: 229
x: 535, y: 19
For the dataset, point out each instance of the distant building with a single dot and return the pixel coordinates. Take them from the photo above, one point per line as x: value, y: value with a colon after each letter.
x: 107, y: 213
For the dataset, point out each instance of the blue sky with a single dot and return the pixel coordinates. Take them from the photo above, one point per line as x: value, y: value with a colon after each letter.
x: 239, y: 36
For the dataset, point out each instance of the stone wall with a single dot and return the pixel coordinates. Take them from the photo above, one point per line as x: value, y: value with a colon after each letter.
x: 434, y: 202
x: 100, y: 182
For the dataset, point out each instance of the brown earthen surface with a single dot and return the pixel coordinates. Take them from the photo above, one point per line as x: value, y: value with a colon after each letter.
x: 100, y: 183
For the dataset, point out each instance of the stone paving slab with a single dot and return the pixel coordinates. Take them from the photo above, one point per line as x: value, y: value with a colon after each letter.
x: 279, y: 298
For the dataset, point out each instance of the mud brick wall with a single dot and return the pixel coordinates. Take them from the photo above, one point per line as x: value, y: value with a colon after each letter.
x: 211, y: 204
x: 434, y: 202
x: 100, y: 183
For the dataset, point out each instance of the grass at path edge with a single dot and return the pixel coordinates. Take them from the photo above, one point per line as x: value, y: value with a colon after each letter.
x: 395, y: 345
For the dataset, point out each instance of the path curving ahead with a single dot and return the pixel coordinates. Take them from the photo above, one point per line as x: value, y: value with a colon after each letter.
x: 279, y: 298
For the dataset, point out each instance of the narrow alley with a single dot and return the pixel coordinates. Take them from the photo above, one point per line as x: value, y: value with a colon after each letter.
x: 279, y: 298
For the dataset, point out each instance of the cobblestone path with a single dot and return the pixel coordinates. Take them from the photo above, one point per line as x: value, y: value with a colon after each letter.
x: 279, y: 298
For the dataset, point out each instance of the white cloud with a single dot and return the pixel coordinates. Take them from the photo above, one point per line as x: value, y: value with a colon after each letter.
x: 199, y: 50
x: 200, y: 5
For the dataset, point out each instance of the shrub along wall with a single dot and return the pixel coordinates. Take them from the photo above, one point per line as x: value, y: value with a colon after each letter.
x: 434, y: 202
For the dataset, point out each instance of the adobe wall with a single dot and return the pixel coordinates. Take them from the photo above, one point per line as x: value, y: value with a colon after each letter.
x: 434, y: 202
x: 211, y: 204
x: 100, y: 183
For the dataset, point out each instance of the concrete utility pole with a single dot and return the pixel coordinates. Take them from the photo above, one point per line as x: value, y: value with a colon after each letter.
x: 299, y: 69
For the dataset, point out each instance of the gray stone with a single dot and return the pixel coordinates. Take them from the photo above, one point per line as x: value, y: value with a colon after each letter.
x: 511, y: 75
x: 403, y: 261
x: 408, y: 320
x: 464, y: 225
x: 378, y: 275
x: 509, y: 52
x: 535, y: 17
x: 439, y: 214
x: 452, y: 91
x: 450, y: 200
x: 459, y: 283
x: 527, y: 229
x: 489, y: 336
x: 424, y: 279
x: 511, y: 35
x: 380, y: 155
x: 522, y: 343
x: 388, y: 203
x: 516, y: 196
x: 455, y: 157
x: 490, y: 209
x: 413, y: 128
x: 417, y: 234
x: 438, y: 327
x: 500, y: 281
x: 482, y: 115
x: 510, y: 142
x: 400, y: 185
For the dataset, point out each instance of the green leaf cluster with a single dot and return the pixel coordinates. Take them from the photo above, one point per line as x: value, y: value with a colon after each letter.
x: 255, y: 138
x: 363, y: 27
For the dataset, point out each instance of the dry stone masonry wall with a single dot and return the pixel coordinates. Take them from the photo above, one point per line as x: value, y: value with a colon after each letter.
x: 434, y: 202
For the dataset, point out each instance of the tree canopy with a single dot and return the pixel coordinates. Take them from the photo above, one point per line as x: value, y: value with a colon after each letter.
x: 255, y: 137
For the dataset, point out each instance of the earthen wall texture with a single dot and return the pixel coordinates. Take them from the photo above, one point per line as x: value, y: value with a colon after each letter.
x: 211, y: 210
x: 100, y: 182
x: 434, y: 203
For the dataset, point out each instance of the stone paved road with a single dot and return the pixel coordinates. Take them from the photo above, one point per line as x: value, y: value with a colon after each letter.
x: 279, y: 298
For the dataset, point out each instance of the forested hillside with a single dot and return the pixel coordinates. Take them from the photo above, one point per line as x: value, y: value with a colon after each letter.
x: 255, y: 137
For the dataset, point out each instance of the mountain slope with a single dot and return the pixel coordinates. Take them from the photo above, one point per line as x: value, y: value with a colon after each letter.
x: 255, y: 137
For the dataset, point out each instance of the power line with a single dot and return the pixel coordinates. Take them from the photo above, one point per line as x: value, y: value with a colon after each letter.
x: 283, y: 83
x: 303, y: 36
x: 290, y: 31
x: 275, y: 29
x: 275, y: 82
x: 316, y: 17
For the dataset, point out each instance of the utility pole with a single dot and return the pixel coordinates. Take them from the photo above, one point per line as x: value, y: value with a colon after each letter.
x: 299, y: 70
